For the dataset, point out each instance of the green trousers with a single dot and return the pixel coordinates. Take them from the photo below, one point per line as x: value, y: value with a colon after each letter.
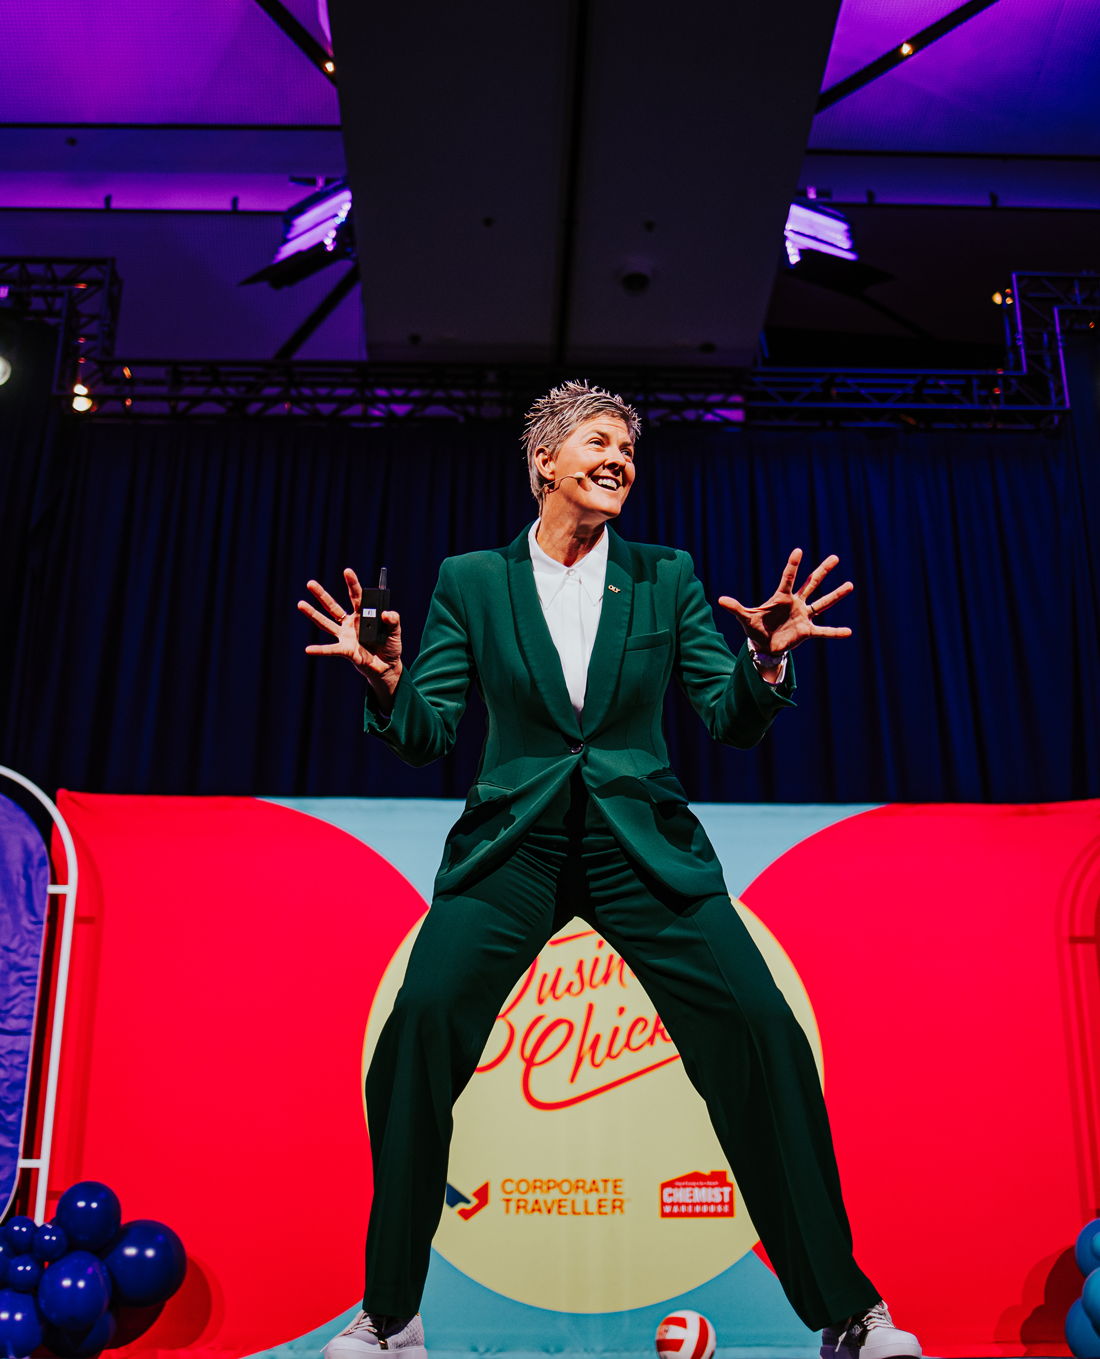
x: 741, y: 1046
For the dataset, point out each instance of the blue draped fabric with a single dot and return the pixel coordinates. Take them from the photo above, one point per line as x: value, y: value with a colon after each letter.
x: 155, y: 645
x: 24, y: 880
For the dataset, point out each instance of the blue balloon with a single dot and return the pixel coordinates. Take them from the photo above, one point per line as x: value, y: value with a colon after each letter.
x: 20, y: 1325
x: 18, y: 1234
x: 24, y: 1273
x: 1082, y: 1249
x: 50, y: 1243
x: 147, y: 1263
x: 90, y: 1214
x: 69, y: 1346
x: 1081, y: 1335
x: 74, y: 1292
x: 1090, y: 1297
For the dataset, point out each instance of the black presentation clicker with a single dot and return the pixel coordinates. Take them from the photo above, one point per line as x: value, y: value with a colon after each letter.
x: 370, y: 610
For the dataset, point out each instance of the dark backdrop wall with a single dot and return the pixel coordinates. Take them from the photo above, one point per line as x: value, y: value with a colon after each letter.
x: 150, y: 574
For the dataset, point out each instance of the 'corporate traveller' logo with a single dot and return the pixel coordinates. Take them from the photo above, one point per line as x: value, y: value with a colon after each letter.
x: 473, y: 1206
x: 577, y: 1197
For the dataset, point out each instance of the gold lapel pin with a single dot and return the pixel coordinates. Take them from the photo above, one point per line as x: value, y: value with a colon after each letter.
x: 614, y: 589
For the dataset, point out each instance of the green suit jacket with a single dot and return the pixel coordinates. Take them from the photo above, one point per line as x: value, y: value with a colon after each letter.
x: 486, y: 627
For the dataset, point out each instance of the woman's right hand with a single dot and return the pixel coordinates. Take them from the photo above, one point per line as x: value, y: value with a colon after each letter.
x: 380, y: 664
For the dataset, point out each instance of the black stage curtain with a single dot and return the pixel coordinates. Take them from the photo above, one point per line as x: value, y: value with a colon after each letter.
x: 151, y: 573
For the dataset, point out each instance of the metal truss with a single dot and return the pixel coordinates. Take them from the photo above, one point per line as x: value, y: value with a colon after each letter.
x: 374, y: 394
x: 383, y: 393
x: 948, y: 399
x: 82, y: 296
x: 1047, y: 308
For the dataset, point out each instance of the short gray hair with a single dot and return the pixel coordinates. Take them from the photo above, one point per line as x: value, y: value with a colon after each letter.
x: 553, y: 417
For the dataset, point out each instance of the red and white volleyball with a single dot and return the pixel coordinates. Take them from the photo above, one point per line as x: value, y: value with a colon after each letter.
x: 687, y: 1335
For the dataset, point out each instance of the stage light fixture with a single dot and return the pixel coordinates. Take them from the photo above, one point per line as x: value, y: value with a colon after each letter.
x: 330, y: 67
x: 821, y: 229
x: 906, y: 49
x: 998, y: 299
x: 81, y: 400
x: 5, y: 370
x: 318, y: 231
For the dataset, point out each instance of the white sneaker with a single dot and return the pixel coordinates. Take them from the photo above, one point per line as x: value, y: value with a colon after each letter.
x: 360, y: 1340
x: 871, y: 1336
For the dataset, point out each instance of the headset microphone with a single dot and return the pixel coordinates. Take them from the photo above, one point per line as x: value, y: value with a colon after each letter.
x: 578, y: 477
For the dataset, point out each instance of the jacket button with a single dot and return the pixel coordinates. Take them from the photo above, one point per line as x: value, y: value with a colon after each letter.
x: 576, y: 747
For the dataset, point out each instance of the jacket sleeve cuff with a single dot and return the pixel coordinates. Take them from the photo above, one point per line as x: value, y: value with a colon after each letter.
x: 393, y: 728
x: 769, y: 698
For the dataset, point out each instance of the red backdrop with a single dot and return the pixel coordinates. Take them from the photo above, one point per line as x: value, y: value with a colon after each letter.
x: 226, y: 954
x: 227, y: 951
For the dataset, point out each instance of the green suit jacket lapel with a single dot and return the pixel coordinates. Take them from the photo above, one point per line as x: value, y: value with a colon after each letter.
x: 535, y: 641
x: 607, y: 654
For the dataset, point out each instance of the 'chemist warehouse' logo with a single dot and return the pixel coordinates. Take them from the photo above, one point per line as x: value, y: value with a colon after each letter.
x: 698, y: 1195
x: 578, y: 1025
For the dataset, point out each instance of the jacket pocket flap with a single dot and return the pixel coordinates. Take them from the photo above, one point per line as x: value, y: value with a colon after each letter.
x: 642, y: 640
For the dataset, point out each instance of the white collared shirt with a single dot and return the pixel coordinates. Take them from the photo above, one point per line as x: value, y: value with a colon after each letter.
x: 571, y: 599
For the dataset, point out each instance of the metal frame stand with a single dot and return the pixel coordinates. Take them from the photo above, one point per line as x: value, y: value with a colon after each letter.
x: 41, y: 1162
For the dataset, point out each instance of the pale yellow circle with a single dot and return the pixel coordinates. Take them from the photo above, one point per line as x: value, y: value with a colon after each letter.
x: 620, y: 1128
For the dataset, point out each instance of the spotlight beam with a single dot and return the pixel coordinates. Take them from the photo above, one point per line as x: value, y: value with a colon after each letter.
x: 856, y: 81
x: 302, y: 38
x: 319, y: 314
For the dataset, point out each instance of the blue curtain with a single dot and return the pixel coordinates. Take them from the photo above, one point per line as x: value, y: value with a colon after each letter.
x: 153, y: 643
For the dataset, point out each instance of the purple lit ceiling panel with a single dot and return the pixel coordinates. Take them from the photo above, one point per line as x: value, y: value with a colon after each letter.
x: 152, y: 168
x: 867, y: 29
x: 124, y: 61
x: 180, y: 273
x: 1021, y: 77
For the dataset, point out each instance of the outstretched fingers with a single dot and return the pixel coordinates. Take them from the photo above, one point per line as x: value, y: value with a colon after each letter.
x: 318, y: 591
x: 814, y: 579
x: 733, y: 606
x: 830, y: 632
x: 317, y: 617
x: 827, y: 601
x: 355, y: 590
x: 790, y: 572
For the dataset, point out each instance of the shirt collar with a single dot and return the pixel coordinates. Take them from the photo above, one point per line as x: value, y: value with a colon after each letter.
x: 592, y: 568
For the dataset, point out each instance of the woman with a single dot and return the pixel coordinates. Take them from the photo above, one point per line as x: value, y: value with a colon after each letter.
x: 572, y: 636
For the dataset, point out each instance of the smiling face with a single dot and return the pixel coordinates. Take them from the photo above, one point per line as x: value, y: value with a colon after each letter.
x: 593, y: 469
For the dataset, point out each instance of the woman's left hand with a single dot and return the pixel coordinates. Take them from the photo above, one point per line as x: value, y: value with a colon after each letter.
x: 788, y: 618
